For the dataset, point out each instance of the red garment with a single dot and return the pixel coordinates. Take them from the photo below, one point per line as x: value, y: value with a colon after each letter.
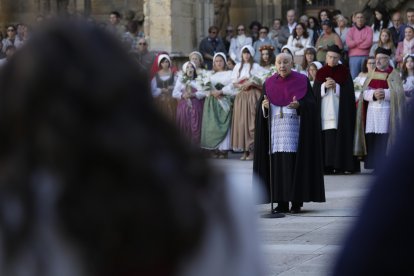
x: 339, y: 73
x: 376, y: 83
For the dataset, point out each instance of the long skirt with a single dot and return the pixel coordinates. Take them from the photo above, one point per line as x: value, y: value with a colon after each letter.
x: 167, y: 106
x: 243, y: 123
x: 189, y: 118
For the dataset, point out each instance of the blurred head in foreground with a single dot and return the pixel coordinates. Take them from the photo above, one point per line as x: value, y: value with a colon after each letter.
x: 93, y: 180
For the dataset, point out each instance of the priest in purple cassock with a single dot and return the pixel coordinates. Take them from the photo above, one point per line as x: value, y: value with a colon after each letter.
x: 295, y: 140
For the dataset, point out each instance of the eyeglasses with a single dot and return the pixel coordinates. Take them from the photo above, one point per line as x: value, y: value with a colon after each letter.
x: 229, y: 31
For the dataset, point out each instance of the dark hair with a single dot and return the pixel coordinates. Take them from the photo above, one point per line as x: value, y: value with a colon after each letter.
x: 255, y: 23
x: 251, y: 61
x: 385, y: 18
x: 316, y: 21
x: 132, y: 26
x: 213, y: 28
x: 264, y: 27
x: 364, y: 64
x: 305, y: 31
x: 133, y: 195
x: 404, y: 72
x: 328, y: 12
x: 116, y: 13
x: 272, y: 58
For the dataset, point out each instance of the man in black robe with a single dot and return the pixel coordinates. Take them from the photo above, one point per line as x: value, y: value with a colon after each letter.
x: 334, y: 91
x: 294, y: 171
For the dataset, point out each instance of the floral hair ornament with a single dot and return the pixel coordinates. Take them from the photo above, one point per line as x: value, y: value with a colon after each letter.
x: 161, y: 57
x: 220, y: 54
x: 267, y: 47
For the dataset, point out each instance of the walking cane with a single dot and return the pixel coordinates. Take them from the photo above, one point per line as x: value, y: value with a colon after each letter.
x: 272, y: 213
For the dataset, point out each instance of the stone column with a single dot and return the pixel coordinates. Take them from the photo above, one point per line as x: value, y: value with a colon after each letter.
x: 170, y: 25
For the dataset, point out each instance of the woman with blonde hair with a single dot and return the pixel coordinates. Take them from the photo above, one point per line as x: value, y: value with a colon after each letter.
x: 385, y: 41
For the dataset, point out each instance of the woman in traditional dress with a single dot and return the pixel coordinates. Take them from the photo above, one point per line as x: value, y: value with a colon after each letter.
x: 246, y: 79
x: 190, y: 104
x: 217, y: 112
x: 162, y: 85
x: 197, y: 58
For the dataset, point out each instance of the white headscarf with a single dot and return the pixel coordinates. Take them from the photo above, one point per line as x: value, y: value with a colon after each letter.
x: 317, y: 64
x: 161, y: 57
x: 220, y: 54
x: 249, y: 48
x: 198, y: 54
x: 185, y: 65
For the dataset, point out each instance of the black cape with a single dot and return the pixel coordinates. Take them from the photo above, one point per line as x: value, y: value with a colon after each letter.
x: 308, y: 182
x: 341, y: 149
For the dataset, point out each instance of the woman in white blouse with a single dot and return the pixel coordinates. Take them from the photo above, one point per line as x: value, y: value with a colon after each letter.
x: 246, y: 79
x: 218, y: 107
x: 190, y: 103
x: 162, y: 85
x: 298, y: 41
x: 238, y: 42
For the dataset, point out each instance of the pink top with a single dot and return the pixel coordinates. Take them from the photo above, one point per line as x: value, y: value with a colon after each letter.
x: 359, y: 41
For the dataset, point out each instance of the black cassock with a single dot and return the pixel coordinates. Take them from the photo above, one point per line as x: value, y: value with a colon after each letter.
x: 337, y: 144
x: 297, y: 177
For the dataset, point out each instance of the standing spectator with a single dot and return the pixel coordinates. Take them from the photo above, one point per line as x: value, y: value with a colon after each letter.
x: 386, y: 42
x: 342, y: 30
x: 254, y: 28
x: 410, y: 22
x: 334, y: 91
x: 275, y: 32
x: 263, y: 40
x: 381, y: 21
x: 397, y: 27
x: 314, y: 25
x: 162, y: 85
x: 305, y: 20
x: 407, y: 76
x: 405, y: 47
x: 218, y: 109
x: 386, y: 109
x: 131, y: 37
x: 190, y: 98
x: 287, y: 29
x: 144, y: 57
x: 295, y: 145
x: 22, y: 34
x: 115, y: 27
x: 298, y: 42
x: 238, y: 42
x: 211, y: 45
x: 327, y: 38
x: 11, y: 39
x: 10, y: 50
x: 227, y: 37
x: 324, y: 14
x: 359, y: 41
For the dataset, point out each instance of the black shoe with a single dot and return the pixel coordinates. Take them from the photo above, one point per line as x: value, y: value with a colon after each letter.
x: 280, y: 209
x: 295, y: 210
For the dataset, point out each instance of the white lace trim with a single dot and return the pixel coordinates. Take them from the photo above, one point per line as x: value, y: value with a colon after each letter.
x: 378, y: 117
x: 285, y: 133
